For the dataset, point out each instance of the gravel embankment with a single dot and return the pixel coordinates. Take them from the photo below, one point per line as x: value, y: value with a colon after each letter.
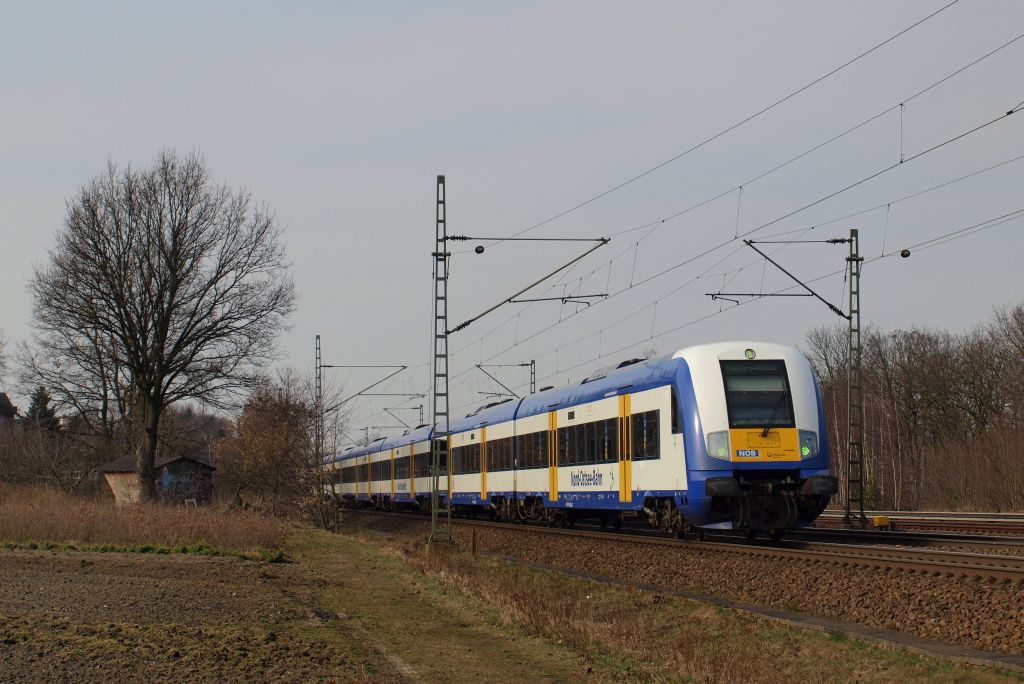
x: 982, y: 614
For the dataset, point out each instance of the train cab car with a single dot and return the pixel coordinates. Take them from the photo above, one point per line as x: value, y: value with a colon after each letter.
x: 756, y: 451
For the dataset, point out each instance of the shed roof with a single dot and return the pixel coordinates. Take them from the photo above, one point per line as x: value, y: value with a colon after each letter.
x: 126, y: 464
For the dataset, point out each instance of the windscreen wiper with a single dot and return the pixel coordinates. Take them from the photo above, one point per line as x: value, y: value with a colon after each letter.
x: 778, y: 405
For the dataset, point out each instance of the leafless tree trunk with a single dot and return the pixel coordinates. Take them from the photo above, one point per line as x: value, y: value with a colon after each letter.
x: 183, y: 282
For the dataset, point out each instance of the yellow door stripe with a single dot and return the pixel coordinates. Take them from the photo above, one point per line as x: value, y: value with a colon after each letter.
x: 553, y: 455
x: 392, y: 473
x: 625, y: 450
x: 412, y: 470
x: 483, y: 464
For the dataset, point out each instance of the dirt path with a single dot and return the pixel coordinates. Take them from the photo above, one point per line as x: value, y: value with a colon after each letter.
x: 428, y: 633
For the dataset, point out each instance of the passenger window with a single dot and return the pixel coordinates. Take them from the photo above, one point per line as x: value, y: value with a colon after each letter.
x: 612, y: 436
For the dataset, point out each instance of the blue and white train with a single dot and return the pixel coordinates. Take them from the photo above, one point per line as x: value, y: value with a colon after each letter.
x: 728, y: 435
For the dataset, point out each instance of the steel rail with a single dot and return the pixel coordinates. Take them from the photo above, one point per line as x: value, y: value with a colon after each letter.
x: 1008, y: 525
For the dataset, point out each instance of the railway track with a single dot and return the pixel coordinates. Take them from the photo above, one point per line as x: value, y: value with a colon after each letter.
x: 983, y: 523
x: 990, y: 543
x: 897, y: 558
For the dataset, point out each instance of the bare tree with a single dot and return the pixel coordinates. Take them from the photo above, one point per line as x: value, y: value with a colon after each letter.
x: 181, y: 282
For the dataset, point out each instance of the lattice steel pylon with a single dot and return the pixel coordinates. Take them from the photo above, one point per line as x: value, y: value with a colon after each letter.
x: 318, y: 421
x: 854, y: 393
x: 440, y: 518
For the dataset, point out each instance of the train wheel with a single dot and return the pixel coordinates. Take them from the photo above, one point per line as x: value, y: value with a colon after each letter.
x: 776, y: 534
x: 617, y: 522
x: 750, y: 534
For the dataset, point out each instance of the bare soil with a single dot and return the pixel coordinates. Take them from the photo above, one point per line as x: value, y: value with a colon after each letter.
x: 88, y: 617
x: 343, y: 612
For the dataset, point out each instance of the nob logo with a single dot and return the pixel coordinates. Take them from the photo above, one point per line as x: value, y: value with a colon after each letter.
x: 748, y: 453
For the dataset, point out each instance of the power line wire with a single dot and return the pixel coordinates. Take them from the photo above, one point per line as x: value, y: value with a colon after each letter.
x: 738, y: 124
x: 654, y: 225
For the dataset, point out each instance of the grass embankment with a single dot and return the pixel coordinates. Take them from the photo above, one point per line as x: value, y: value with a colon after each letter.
x: 622, y: 633
x: 39, y: 518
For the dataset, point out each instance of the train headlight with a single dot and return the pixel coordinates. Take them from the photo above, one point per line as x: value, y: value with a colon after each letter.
x: 808, y: 444
x: 718, y: 445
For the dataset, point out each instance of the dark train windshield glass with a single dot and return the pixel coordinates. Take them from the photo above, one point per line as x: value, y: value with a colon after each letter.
x: 757, y: 393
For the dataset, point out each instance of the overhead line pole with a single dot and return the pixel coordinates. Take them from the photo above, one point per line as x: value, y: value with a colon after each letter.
x: 440, y: 520
x: 441, y: 530
x: 318, y: 421
x: 854, y: 392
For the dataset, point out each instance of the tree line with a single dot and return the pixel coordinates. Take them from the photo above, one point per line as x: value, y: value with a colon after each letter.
x: 942, y: 413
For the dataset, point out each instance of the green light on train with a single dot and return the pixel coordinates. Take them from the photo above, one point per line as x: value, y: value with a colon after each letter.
x: 805, y: 450
x: 721, y: 451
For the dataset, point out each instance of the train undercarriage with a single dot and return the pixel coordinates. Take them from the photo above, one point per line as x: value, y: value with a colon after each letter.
x: 749, y: 504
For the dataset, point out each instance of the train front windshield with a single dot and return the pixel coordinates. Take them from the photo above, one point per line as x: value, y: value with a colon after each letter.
x: 757, y: 394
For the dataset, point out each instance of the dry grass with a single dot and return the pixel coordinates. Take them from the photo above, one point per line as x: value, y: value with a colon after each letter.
x: 649, y: 636
x: 35, y: 515
x: 668, y: 639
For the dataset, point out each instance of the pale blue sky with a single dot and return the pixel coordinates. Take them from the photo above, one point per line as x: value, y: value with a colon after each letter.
x: 339, y: 115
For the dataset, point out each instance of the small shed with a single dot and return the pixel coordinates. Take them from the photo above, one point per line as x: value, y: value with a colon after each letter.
x: 178, y: 479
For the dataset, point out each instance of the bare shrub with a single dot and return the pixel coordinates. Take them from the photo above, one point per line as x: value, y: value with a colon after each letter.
x: 270, y: 461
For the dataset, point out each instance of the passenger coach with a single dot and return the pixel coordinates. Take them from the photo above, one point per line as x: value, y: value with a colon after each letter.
x: 728, y: 435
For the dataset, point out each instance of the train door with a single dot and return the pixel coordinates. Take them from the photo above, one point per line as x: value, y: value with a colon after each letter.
x: 412, y: 472
x: 392, y: 474
x: 553, y: 455
x: 625, y: 450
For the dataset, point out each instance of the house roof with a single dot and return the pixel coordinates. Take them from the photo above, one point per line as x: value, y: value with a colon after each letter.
x: 6, y: 407
x: 126, y: 464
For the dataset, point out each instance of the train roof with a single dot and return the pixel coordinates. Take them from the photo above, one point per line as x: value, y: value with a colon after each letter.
x: 421, y: 434
x: 495, y: 412
x: 633, y: 375
x: 354, y: 452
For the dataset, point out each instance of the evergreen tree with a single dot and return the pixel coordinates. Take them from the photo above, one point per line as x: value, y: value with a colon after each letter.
x: 40, y: 413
